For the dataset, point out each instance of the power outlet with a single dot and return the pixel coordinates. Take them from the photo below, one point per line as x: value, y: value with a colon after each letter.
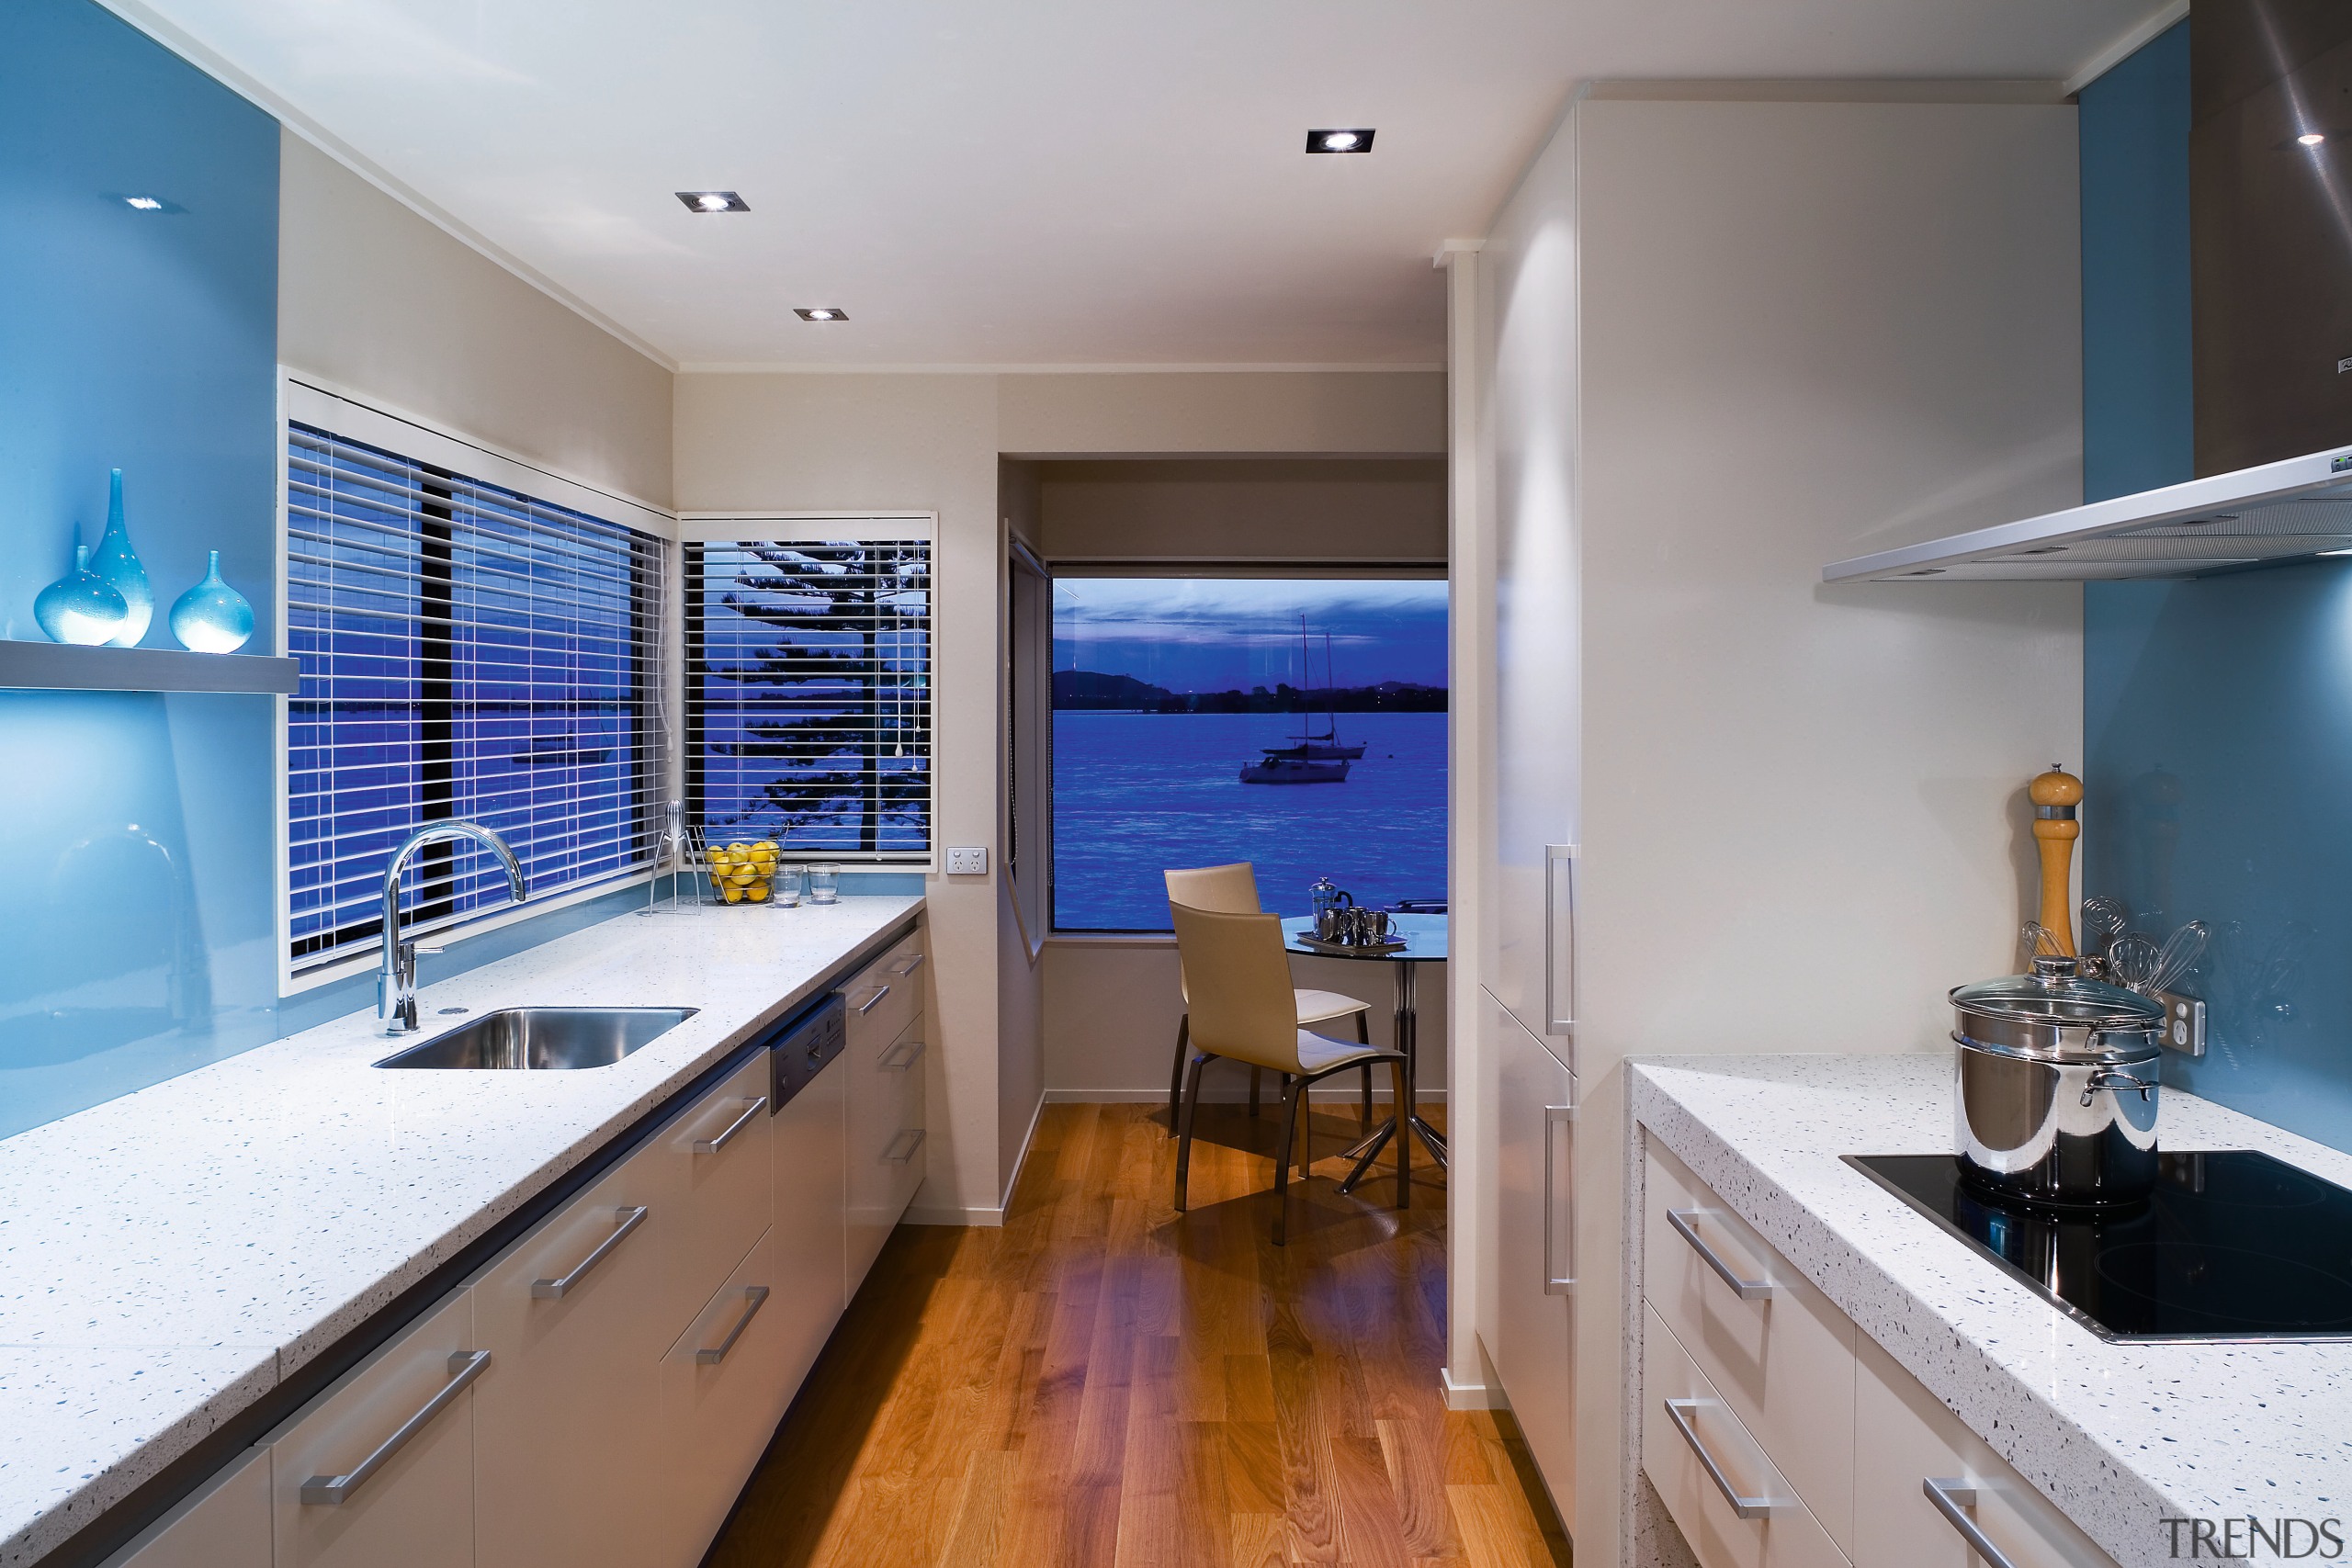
x: 2184, y: 1024
x: 968, y: 863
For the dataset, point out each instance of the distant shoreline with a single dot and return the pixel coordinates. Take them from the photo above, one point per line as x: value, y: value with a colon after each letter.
x: 1088, y: 691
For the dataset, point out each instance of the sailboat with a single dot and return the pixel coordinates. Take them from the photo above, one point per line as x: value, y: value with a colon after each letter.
x: 1315, y: 759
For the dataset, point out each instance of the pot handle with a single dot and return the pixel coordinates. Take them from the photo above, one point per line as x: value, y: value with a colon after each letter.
x: 2116, y: 1079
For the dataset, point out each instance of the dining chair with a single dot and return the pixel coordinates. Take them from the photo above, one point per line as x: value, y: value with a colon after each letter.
x: 1242, y: 1008
x: 1232, y: 890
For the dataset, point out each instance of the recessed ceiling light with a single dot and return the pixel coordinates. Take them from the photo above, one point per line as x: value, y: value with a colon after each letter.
x: 141, y: 203
x: 2311, y: 137
x: 1356, y: 140
x: 713, y: 201
x: 144, y: 203
x: 820, y: 313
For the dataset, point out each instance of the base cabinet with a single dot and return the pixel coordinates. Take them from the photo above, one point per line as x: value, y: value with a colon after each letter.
x: 1905, y: 1439
x: 224, y: 1525
x: 1534, y: 1326
x: 886, y: 1063
x: 378, y: 1472
x: 724, y: 1387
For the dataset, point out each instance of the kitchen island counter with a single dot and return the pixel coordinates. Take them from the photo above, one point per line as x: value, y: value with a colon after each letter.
x: 169, y: 1257
x: 2120, y: 1436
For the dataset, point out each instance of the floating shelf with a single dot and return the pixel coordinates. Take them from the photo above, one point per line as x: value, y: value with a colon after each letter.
x: 62, y: 667
x: 2280, y: 511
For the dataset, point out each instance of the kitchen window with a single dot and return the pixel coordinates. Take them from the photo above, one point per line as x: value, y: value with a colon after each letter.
x: 467, y: 651
x: 1295, y: 722
x: 807, y: 679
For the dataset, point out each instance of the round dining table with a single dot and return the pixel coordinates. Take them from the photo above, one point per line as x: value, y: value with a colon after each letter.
x: 1424, y: 943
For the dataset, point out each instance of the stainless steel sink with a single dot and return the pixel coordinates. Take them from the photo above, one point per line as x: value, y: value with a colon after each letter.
x: 543, y: 1039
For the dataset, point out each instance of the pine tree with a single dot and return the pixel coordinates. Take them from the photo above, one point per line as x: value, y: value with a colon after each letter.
x: 846, y: 724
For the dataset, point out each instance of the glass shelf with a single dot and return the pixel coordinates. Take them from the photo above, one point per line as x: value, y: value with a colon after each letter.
x: 62, y: 667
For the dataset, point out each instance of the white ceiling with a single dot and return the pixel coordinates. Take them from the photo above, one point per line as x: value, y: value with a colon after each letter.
x: 1028, y: 181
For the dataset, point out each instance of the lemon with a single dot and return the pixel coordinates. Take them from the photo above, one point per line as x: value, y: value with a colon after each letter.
x: 743, y: 877
x: 757, y: 891
x: 767, y: 844
x: 734, y: 894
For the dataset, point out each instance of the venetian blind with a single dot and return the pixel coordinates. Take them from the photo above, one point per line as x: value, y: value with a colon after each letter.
x: 809, y: 693
x: 467, y: 651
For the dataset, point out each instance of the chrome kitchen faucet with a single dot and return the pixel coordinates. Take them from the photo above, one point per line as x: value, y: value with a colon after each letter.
x: 396, y: 982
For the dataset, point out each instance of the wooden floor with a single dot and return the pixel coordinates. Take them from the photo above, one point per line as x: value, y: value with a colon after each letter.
x: 1106, y: 1383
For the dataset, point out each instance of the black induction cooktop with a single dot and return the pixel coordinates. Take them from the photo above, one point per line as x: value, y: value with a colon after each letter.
x: 2233, y: 1244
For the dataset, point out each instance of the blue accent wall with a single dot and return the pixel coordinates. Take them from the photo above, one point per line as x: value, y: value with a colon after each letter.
x: 136, y: 880
x: 2217, y: 712
x: 2138, y: 401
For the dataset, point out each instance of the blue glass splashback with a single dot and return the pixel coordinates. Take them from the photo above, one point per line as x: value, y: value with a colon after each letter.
x: 136, y: 880
x: 2218, y: 717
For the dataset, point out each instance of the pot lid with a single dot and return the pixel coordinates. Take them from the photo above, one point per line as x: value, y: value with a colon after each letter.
x: 2054, y: 994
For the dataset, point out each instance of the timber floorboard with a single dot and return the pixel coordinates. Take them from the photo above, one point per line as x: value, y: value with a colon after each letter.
x: 1107, y: 1383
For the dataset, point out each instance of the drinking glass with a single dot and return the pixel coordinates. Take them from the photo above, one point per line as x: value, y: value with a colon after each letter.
x: 785, y: 892
x: 824, y: 882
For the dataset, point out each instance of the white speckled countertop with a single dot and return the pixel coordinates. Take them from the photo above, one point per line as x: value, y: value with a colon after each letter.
x: 2119, y: 1435
x: 167, y: 1257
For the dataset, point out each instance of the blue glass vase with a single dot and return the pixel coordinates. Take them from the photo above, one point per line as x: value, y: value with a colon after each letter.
x: 79, y: 607
x: 212, y: 617
x: 116, y: 564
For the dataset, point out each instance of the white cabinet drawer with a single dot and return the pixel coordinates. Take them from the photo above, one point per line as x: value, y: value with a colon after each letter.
x: 1716, y: 1471
x: 723, y: 1389
x: 224, y: 1523
x: 721, y: 1152
x: 412, y: 1506
x: 1778, y: 1350
x: 889, y: 992
x: 1905, y: 1438
x: 575, y: 1316
x: 885, y: 1137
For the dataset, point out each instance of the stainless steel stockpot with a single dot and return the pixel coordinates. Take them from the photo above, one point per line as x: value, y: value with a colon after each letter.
x: 2057, y: 1086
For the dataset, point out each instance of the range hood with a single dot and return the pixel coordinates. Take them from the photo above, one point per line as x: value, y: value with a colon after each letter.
x: 2279, y: 511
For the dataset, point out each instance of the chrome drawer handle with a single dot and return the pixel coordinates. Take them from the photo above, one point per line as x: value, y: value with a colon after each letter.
x: 870, y: 1003
x: 912, y: 1137
x: 913, y: 962
x: 712, y: 1145
x: 464, y: 1366
x: 1747, y: 1289
x: 1555, y: 1282
x: 914, y: 1054
x: 553, y: 1290
x: 1745, y: 1508
x: 1952, y: 1499
x: 754, y: 1298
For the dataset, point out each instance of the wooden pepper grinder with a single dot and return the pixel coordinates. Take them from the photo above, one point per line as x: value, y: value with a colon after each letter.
x: 2054, y: 795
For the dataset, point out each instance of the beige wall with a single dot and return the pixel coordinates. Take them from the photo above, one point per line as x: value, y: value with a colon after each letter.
x: 1795, y: 331
x: 1359, y: 509
x: 1216, y: 413
x: 381, y: 303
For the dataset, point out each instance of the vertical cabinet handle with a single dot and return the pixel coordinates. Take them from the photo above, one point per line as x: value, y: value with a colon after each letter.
x: 1746, y: 1290
x: 1556, y: 1283
x: 553, y: 1290
x: 912, y: 1137
x: 750, y: 1107
x: 1679, y: 1411
x: 914, y: 1054
x: 1953, y: 1500
x: 1560, y: 939
x: 464, y: 1366
x: 754, y: 1298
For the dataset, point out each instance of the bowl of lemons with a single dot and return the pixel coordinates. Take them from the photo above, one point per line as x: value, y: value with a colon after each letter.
x: 744, y: 872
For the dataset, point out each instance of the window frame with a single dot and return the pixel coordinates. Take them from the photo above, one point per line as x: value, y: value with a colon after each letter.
x: 306, y: 399
x: 812, y: 527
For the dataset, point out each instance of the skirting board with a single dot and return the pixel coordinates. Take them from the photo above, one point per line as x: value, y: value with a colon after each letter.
x: 919, y: 1213
x: 1470, y: 1396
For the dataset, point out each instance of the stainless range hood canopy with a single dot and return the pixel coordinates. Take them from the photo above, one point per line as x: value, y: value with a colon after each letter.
x: 2283, y: 511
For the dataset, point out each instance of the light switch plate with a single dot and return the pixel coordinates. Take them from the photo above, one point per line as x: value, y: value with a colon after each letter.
x: 968, y: 863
